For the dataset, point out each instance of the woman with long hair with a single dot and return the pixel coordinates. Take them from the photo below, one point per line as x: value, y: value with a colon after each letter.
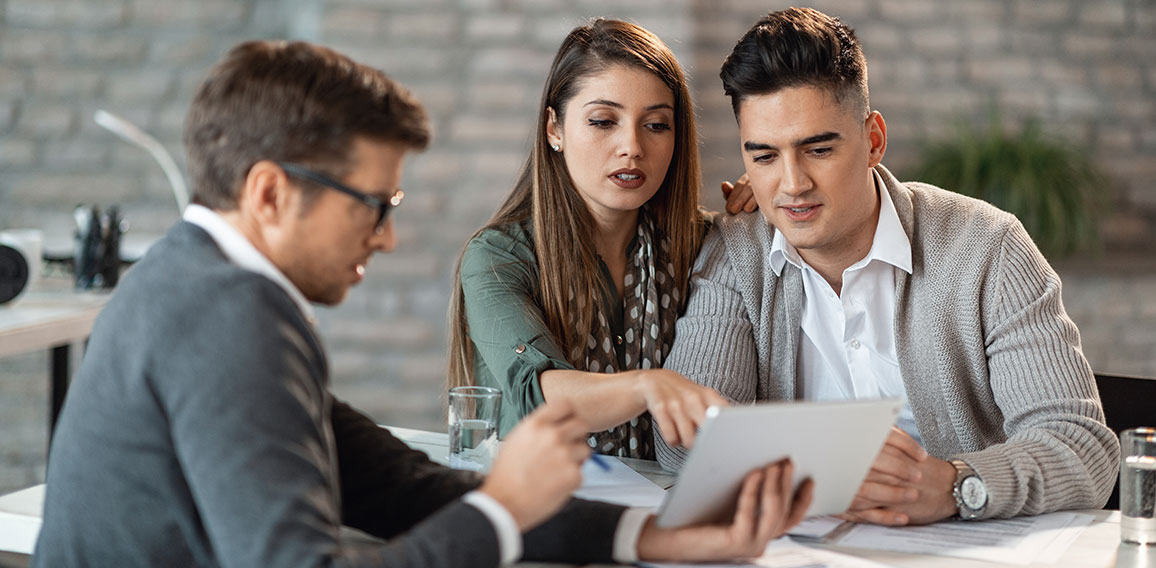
x: 572, y: 289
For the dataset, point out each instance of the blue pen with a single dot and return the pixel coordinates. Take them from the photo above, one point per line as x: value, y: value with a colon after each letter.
x: 600, y: 462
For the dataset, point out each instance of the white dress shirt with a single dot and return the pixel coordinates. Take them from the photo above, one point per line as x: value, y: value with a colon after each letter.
x: 241, y: 252
x: 848, y: 340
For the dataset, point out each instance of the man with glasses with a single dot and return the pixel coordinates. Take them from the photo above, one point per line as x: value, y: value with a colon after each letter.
x: 200, y: 429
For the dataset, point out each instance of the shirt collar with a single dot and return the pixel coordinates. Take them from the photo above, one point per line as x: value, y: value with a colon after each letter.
x: 890, y: 243
x: 781, y: 252
x: 241, y: 252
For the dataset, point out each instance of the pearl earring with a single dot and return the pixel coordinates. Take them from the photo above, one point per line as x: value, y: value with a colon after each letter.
x: 556, y: 148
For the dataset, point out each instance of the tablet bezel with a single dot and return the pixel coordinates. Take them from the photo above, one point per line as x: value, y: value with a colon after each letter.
x: 832, y: 442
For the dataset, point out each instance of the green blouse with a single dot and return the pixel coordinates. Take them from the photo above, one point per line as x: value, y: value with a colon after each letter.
x: 512, y: 345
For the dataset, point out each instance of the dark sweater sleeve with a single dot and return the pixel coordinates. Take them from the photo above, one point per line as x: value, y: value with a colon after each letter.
x: 386, y: 486
x: 581, y: 533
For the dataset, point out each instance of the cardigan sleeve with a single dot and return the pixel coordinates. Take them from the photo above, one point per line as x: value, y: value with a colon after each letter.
x: 1059, y: 453
x: 714, y: 344
x: 512, y: 344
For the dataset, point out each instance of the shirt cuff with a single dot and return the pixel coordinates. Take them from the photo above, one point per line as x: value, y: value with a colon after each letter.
x: 627, y: 534
x: 509, y: 537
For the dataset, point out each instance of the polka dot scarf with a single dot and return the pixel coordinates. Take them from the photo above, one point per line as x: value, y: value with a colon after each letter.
x: 650, y: 307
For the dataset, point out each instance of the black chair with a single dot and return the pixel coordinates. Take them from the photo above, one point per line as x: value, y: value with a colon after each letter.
x: 1128, y: 402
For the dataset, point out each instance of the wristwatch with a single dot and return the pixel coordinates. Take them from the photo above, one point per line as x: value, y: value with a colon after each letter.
x: 969, y: 491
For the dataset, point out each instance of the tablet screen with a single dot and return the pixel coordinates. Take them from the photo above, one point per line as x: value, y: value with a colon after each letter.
x: 832, y: 442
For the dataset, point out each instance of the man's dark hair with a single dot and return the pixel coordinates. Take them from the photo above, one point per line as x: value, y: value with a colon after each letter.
x: 290, y: 102
x: 797, y: 47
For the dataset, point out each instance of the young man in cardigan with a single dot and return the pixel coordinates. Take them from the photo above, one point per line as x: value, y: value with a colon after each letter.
x: 849, y: 284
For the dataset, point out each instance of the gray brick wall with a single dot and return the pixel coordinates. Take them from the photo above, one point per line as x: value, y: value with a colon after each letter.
x: 1086, y: 68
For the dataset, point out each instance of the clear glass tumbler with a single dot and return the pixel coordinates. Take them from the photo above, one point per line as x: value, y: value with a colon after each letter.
x: 1138, y: 485
x: 474, y: 413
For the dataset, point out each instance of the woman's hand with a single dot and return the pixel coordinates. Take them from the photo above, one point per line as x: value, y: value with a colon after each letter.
x: 677, y: 404
x: 740, y: 195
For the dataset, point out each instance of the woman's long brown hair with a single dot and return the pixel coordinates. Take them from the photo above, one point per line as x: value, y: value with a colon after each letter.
x: 562, y: 225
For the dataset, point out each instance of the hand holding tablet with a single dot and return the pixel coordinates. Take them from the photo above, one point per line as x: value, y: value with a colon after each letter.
x: 832, y: 443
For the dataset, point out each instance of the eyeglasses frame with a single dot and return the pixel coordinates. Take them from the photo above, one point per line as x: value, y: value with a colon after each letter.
x: 381, y: 205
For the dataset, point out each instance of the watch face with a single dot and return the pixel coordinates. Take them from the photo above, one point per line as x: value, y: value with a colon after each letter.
x: 973, y: 493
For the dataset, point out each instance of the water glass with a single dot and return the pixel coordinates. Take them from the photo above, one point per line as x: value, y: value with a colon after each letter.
x: 474, y: 415
x: 1138, y: 485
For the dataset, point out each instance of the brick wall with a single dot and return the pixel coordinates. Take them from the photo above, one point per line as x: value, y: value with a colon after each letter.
x: 1084, y: 67
x: 1087, y: 69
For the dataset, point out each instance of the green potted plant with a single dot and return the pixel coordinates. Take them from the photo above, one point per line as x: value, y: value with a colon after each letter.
x: 1056, y: 191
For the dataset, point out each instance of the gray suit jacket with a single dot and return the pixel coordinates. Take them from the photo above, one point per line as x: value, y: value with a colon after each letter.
x: 200, y: 432
x: 990, y: 361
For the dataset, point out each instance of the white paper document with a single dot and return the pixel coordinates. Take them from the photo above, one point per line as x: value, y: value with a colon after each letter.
x: 1020, y: 541
x: 621, y: 485
x: 786, y: 553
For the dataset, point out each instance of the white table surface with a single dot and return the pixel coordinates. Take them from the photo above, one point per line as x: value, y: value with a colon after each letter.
x: 40, y: 320
x: 1097, y: 547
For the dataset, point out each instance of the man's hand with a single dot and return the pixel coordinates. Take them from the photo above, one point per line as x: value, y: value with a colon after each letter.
x: 739, y: 195
x: 764, y: 512
x: 539, y: 464
x: 904, y: 487
x: 677, y: 404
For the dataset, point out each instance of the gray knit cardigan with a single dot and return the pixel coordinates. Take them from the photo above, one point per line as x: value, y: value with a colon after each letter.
x: 991, y: 363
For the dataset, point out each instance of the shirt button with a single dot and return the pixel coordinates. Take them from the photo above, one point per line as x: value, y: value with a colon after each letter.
x: 855, y: 344
x: 618, y: 339
x: 520, y: 349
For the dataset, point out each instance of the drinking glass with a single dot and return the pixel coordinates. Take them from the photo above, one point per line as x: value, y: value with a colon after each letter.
x: 474, y: 414
x: 1138, y: 485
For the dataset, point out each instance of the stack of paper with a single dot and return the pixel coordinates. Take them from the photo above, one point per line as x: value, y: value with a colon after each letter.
x: 785, y: 553
x: 1021, y: 541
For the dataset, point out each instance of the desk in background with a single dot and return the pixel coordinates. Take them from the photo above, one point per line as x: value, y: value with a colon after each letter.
x: 53, y: 321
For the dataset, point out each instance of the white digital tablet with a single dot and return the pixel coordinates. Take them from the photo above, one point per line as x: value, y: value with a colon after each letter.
x: 833, y: 443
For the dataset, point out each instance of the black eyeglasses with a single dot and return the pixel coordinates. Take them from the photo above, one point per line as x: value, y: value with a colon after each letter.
x: 381, y: 205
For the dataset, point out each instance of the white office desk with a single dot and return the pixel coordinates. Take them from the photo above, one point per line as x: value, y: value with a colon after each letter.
x: 1097, y: 547
x: 53, y: 321
x: 46, y: 319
